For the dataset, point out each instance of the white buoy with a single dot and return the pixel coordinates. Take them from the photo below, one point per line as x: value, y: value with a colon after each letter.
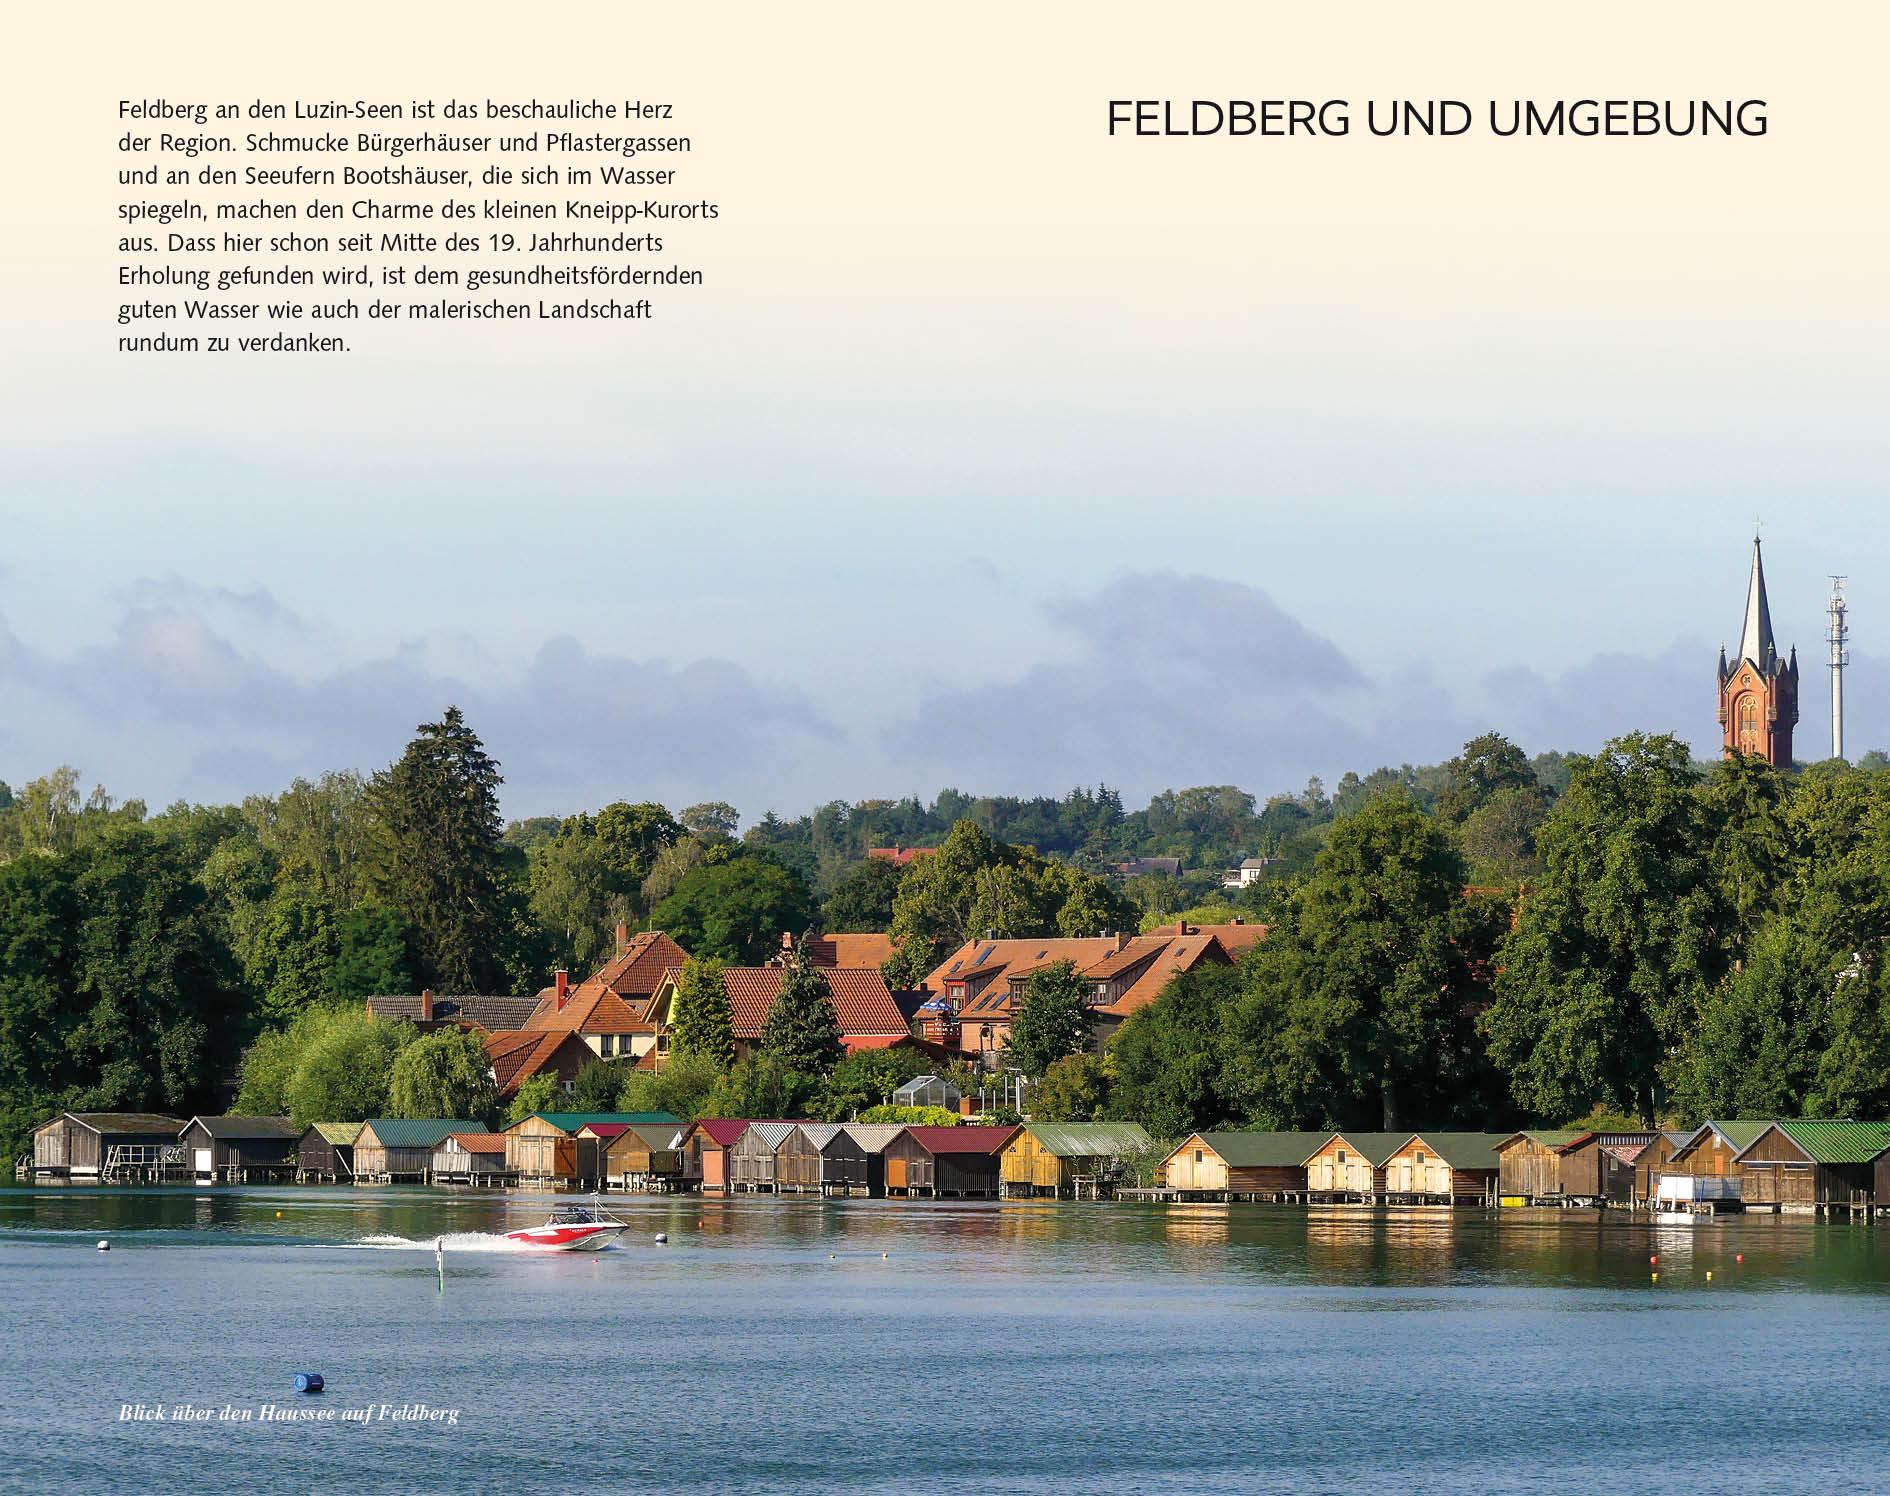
x: 104, y: 1246
x: 662, y: 1238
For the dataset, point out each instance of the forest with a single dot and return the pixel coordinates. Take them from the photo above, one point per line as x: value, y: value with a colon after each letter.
x: 1494, y: 938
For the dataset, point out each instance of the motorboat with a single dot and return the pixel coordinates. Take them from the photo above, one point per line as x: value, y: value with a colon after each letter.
x: 572, y: 1228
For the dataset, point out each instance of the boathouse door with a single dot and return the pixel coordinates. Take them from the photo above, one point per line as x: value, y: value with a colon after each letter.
x: 206, y: 1163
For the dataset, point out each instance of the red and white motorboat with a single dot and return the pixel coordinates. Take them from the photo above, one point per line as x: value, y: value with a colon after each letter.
x: 572, y: 1228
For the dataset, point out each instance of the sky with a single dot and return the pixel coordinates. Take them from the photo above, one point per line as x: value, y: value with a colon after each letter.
x: 994, y: 452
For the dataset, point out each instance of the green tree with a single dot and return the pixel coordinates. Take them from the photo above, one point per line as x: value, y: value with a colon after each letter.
x: 1489, y: 765
x: 1753, y: 1049
x: 597, y: 1087
x: 590, y: 875
x: 868, y: 1079
x: 342, y: 1073
x: 863, y: 900
x: 713, y: 820
x: 1621, y: 943
x: 802, y: 1029
x: 436, y: 856
x: 442, y: 1074
x: 1053, y: 1019
x: 1073, y: 1089
x: 735, y: 910
x: 701, y: 1023
x: 371, y: 953
x: 539, y: 1093
x: 289, y: 953
x: 1168, y: 1058
x: 682, y: 1088
x: 317, y: 832
x: 761, y: 1087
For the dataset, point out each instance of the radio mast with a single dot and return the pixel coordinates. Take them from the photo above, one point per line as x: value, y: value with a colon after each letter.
x: 1838, y: 636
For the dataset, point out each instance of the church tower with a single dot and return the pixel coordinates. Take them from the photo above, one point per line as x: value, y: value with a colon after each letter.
x: 1758, y: 692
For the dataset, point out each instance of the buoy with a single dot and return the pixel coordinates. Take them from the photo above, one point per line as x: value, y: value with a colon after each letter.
x: 1709, y: 1275
x: 278, y: 1215
x: 104, y: 1246
x: 662, y: 1238
x: 885, y: 1254
x: 1655, y: 1276
x: 308, y: 1381
x: 1652, y: 1260
x: 1739, y: 1256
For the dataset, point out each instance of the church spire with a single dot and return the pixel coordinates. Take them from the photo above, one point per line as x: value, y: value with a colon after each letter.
x: 1755, y: 641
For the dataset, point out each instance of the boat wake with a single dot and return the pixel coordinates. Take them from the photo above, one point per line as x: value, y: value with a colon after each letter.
x: 452, y: 1241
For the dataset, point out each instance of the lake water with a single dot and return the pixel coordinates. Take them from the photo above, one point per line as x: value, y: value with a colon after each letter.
x: 885, y: 1347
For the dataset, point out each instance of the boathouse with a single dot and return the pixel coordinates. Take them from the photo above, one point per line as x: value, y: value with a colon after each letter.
x: 853, y: 1160
x: 1068, y: 1159
x: 391, y: 1149
x: 107, y: 1145
x: 751, y: 1157
x: 567, y: 1148
x: 470, y: 1158
x: 1711, y: 1150
x: 1239, y: 1165
x: 1599, y: 1167
x: 1351, y: 1165
x: 1657, y: 1159
x: 643, y: 1157
x: 961, y: 1161
x: 239, y: 1150
x: 705, y: 1146
x: 1444, y: 1168
x: 1813, y: 1166
x: 1531, y: 1164
x: 325, y: 1152
x: 797, y: 1162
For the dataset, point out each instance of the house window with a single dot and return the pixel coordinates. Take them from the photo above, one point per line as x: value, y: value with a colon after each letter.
x: 1197, y: 1155
x: 1420, y: 1157
x: 607, y: 1045
x: 1341, y: 1155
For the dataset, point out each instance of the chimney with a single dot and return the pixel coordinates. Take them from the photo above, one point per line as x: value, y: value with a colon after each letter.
x: 1238, y: 920
x: 563, y: 980
x: 623, y: 937
x: 1122, y: 939
x: 1188, y: 929
x: 426, y: 1005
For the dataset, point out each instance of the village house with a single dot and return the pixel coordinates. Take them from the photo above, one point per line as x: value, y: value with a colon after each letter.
x: 239, y: 1150
x: 1239, y: 1165
x: 106, y: 1145
x: 1068, y: 1159
x: 960, y: 1161
x: 518, y: 1055
x: 1446, y: 1168
x: 427, y: 1012
x: 391, y: 1149
x: 324, y: 1154
x: 857, y: 950
x: 868, y: 1017
x: 1350, y: 1166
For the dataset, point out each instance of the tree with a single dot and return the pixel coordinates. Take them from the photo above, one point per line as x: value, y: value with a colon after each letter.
x: 736, y: 910
x: 436, y: 856
x: 802, y: 1029
x: 1052, y: 1020
x: 344, y: 1067
x: 701, y: 1023
x: 538, y: 1093
x: 682, y: 1088
x: 1620, y: 944
x: 760, y: 1086
x: 868, y: 1079
x: 371, y: 946
x: 1753, y: 1049
x: 591, y: 873
x: 1168, y: 1058
x: 713, y: 820
x: 289, y: 952
x: 1073, y: 1089
x: 863, y: 900
x: 442, y: 1074
x: 318, y: 834
x: 597, y: 1087
x: 1488, y: 766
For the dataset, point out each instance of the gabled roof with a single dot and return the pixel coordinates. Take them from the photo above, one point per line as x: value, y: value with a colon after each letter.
x: 340, y: 1134
x: 139, y: 1122
x: 850, y: 949
x: 658, y: 1136
x: 1738, y: 1135
x: 1174, y: 955
x: 492, y: 1012
x: 479, y: 1142
x: 860, y: 999
x: 243, y: 1128
x: 605, y: 1131
x: 1553, y: 1138
x: 520, y: 1054
x: 961, y: 1139
x: 1832, y: 1142
x: 871, y: 1136
x: 1373, y: 1147
x: 819, y: 1134
x: 1088, y: 1139
x: 1462, y: 1150
x: 722, y: 1131
x: 770, y: 1135
x: 415, y: 1132
x: 570, y: 1122
x: 1258, y: 1150
x: 612, y: 999
x: 1004, y: 959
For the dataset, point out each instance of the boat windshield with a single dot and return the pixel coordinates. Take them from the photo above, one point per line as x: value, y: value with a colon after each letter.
x: 576, y: 1215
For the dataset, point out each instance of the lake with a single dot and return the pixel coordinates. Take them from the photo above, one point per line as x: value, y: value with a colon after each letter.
x: 887, y: 1347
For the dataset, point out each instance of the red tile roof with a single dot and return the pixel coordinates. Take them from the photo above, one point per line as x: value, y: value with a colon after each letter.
x: 860, y: 998
x: 867, y: 949
x: 629, y: 979
x: 962, y: 1139
x: 519, y: 1054
x: 899, y: 855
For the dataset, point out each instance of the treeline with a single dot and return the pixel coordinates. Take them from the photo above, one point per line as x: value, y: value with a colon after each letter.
x: 1693, y: 943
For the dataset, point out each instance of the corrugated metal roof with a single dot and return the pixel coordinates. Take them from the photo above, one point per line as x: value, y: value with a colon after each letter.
x: 1088, y: 1139
x: 1262, y: 1150
x: 1741, y: 1135
x: 1464, y: 1150
x: 341, y: 1134
x: 1836, y: 1142
x: 819, y: 1134
x: 872, y: 1136
x: 418, y: 1132
x: 770, y: 1134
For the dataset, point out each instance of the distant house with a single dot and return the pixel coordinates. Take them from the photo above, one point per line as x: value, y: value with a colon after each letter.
x: 390, y: 1149
x: 845, y: 949
x: 427, y: 1012
x: 470, y: 1158
x: 798, y: 1161
x: 239, y: 1150
x: 325, y: 1152
x: 1061, y: 1159
x: 960, y: 1161
x: 92, y: 1145
x: 899, y: 856
x: 1250, y: 871
x: 519, y: 1054
x: 1160, y: 867
x: 1253, y: 1165
x: 1351, y: 1165
x: 1446, y: 1167
x: 869, y: 1019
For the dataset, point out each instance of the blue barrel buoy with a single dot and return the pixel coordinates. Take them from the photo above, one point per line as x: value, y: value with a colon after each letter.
x: 308, y: 1381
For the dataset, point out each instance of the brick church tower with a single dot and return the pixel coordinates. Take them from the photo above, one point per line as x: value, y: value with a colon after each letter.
x: 1758, y: 692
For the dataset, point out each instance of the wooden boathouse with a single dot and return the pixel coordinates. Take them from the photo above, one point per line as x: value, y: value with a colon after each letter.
x: 239, y: 1150
x: 1654, y: 1160
x: 643, y: 1156
x: 1238, y: 1166
x: 1444, y: 1168
x: 1067, y: 1160
x: 1713, y: 1148
x: 751, y: 1158
x: 107, y: 1146
x: 391, y: 1149
x: 1598, y: 1168
x: 471, y: 1158
x: 704, y: 1147
x: 324, y: 1154
x: 797, y: 1162
x: 1530, y: 1167
x: 853, y: 1160
x: 961, y: 1161
x: 566, y: 1149
x: 1820, y: 1167
x: 1350, y: 1166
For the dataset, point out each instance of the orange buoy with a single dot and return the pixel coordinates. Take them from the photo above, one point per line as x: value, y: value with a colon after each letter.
x: 1739, y: 1256
x: 1655, y: 1258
